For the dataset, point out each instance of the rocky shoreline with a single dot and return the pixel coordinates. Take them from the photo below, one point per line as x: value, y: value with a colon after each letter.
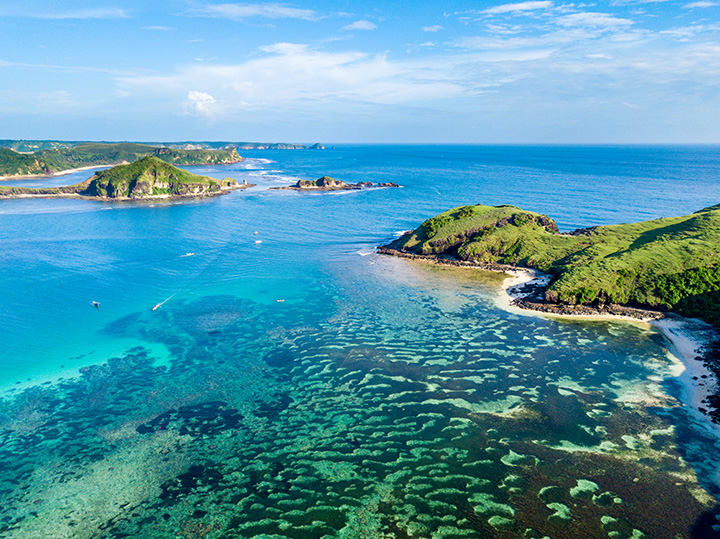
x: 59, y: 194
x: 149, y: 178
x: 530, y: 295
x: 701, y: 357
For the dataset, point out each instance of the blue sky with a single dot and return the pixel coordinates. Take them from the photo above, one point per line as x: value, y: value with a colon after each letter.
x: 540, y: 71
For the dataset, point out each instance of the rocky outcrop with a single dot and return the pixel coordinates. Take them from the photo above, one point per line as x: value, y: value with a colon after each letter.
x: 326, y: 183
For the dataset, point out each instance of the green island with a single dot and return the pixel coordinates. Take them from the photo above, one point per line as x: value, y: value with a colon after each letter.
x: 326, y: 183
x: 668, y: 264
x: 57, y: 159
x: 146, y: 178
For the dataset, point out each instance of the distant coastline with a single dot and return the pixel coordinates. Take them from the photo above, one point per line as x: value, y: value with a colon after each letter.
x: 59, y: 173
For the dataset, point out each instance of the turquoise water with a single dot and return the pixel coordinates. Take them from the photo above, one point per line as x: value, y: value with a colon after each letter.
x: 304, y: 386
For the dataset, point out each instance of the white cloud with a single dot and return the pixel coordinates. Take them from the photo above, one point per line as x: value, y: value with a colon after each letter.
x: 285, y: 48
x: 246, y: 11
x: 435, y: 28
x: 592, y: 19
x: 688, y: 33
x: 701, y: 4
x: 199, y: 102
x: 298, y: 79
x: 159, y: 28
x: 360, y: 25
x: 518, y: 7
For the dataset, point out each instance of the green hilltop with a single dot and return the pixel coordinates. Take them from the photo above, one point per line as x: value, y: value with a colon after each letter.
x: 59, y: 159
x: 146, y: 178
x: 670, y: 263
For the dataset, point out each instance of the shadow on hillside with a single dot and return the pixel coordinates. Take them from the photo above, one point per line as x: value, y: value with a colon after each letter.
x: 707, y: 526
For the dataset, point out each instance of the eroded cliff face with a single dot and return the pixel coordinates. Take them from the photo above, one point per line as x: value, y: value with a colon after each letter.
x: 150, y: 187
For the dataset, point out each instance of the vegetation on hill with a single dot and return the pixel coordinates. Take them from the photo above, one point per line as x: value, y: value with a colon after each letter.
x: 148, y: 177
x: 29, y: 146
x: 670, y: 263
x: 96, y: 154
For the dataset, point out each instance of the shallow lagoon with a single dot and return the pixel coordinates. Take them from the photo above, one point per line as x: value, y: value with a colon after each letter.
x: 380, y: 398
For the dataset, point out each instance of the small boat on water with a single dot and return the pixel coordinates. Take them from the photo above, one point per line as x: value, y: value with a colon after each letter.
x: 157, y: 306
x: 187, y: 254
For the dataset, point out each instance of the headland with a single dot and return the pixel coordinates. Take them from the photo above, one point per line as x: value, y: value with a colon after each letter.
x: 147, y: 178
x: 664, y: 272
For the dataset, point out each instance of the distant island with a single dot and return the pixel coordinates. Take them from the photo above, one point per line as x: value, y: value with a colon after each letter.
x: 31, y: 146
x: 146, y: 178
x: 242, y: 145
x: 668, y: 264
x: 27, y: 158
x: 53, y: 161
x: 326, y: 183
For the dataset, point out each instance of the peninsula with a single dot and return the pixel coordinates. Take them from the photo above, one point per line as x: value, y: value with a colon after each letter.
x: 147, y: 178
x: 326, y: 183
x: 58, y: 159
x: 669, y: 264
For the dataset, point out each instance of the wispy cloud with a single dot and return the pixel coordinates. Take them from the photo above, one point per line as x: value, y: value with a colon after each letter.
x: 593, y: 19
x: 159, y: 28
x: 285, y: 48
x: 64, y: 68
x: 293, y: 76
x: 360, y: 25
x: 435, y: 28
x: 246, y: 11
x: 518, y: 7
x: 701, y: 4
x: 688, y: 33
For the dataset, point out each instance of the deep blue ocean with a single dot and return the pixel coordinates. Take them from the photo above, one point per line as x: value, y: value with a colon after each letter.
x: 296, y: 384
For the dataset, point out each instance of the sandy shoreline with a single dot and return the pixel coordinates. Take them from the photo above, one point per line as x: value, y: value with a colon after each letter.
x: 685, y: 337
x: 55, y: 174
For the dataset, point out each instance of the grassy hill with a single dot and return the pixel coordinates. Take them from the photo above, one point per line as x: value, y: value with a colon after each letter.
x: 671, y: 263
x: 86, y: 154
x: 146, y: 178
x: 29, y: 146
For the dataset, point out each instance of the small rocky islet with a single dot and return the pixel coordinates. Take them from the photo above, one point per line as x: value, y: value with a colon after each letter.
x: 326, y: 183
